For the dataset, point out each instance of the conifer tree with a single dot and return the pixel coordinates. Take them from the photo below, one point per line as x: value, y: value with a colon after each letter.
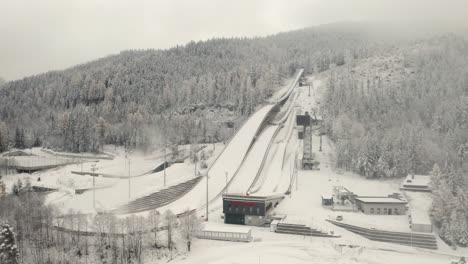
x: 8, y: 248
x: 2, y: 188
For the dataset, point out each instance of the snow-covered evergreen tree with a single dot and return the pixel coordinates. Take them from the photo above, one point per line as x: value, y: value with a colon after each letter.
x: 436, y: 176
x: 8, y: 247
x: 460, y: 228
x: 2, y: 188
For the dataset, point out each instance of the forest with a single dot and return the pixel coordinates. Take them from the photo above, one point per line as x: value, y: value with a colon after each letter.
x: 142, y: 98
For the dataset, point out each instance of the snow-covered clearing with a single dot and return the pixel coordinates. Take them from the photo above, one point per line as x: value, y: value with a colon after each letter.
x: 275, y: 248
x: 109, y: 192
x: 123, y: 190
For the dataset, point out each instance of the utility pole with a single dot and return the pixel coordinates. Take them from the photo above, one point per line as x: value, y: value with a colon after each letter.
x: 207, y: 177
x: 196, y: 159
x: 320, y: 149
x: 165, y: 159
x: 93, y: 169
x: 129, y: 183
x: 297, y: 179
x: 195, y: 165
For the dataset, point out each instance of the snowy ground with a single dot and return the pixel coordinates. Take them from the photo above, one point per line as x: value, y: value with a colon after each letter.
x: 120, y: 193
x: 110, y: 192
x: 273, y: 248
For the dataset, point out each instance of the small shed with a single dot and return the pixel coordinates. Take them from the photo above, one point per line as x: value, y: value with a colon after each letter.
x: 327, y: 199
x: 225, y: 232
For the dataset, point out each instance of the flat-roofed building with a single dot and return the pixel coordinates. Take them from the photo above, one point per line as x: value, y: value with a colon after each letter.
x: 248, y: 210
x: 383, y: 205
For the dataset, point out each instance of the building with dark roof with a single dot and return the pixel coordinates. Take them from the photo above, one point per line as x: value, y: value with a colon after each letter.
x: 248, y: 210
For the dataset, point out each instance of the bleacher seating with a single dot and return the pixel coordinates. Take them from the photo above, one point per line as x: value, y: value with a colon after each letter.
x: 157, y: 199
x: 407, y: 239
x: 303, y: 230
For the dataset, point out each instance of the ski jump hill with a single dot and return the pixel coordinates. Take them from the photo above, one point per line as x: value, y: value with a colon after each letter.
x: 252, y: 139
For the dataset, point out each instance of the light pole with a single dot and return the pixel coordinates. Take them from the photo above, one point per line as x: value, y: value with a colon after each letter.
x: 320, y: 149
x: 196, y: 160
x: 226, y: 189
x: 207, y: 197
x: 165, y: 161
x: 129, y: 183
x: 93, y: 169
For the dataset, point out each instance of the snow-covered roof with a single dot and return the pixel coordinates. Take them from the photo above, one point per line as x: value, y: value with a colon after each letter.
x: 327, y: 196
x: 418, y: 180
x: 380, y: 200
x: 216, y: 227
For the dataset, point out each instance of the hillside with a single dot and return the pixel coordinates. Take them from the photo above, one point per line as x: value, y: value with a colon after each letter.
x: 403, y: 110
x: 139, y: 97
x: 406, y: 112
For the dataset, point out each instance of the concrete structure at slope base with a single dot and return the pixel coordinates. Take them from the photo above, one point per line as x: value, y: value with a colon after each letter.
x: 420, y: 222
x: 248, y: 210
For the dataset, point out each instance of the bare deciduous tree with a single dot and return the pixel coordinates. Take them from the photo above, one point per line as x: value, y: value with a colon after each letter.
x: 189, y: 225
x: 154, y: 220
x: 170, y: 221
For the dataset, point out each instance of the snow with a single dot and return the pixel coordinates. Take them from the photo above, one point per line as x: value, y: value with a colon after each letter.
x: 269, y: 247
x: 380, y: 200
x: 250, y: 167
x: 116, y: 191
x: 118, y: 194
x: 235, y: 151
x: 276, y: 175
x: 417, y: 180
x: 420, y: 204
x: 227, y: 162
x: 216, y: 227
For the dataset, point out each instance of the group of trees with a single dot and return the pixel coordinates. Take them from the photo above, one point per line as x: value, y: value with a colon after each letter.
x: 391, y: 129
x: 143, y: 97
x: 32, y: 232
x: 450, y: 205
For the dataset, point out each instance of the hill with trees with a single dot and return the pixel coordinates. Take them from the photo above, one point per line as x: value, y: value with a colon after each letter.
x: 143, y: 97
x: 406, y: 112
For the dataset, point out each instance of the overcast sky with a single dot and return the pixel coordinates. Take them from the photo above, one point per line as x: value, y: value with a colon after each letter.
x: 41, y: 35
